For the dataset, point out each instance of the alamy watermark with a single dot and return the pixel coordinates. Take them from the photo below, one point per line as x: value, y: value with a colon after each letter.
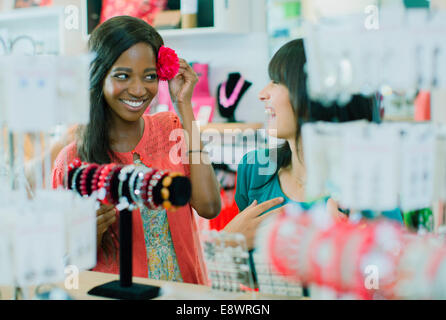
x: 372, y: 19
x: 229, y: 145
x: 371, y: 281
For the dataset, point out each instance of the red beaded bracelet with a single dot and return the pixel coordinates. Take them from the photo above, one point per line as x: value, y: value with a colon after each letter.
x: 95, y: 179
x: 84, y: 176
x: 101, y: 181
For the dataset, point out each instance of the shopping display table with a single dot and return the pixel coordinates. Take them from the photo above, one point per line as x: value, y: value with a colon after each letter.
x: 170, y: 290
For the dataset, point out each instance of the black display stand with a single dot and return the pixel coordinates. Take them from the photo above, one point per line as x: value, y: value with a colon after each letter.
x: 124, y: 288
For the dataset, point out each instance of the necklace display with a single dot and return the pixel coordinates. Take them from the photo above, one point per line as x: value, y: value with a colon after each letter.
x: 224, y: 100
x: 130, y: 186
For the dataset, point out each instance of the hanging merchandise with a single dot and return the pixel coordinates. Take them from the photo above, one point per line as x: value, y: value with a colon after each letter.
x: 379, y: 167
x: 143, y: 9
x: 378, y: 260
x: 392, y: 55
x: 229, y: 94
x: 53, y: 91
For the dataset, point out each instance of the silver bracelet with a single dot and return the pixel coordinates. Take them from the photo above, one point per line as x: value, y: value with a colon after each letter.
x: 135, y: 188
x: 75, y: 174
x: 122, y: 178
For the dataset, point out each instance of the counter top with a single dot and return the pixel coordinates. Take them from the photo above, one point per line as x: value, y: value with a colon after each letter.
x: 170, y: 290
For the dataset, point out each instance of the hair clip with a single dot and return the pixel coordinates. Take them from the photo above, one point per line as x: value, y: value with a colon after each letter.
x: 168, y: 64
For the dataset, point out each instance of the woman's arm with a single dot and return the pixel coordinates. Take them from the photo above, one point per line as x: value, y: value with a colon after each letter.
x: 205, y: 198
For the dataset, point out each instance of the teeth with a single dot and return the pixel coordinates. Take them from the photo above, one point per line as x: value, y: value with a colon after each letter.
x: 134, y: 104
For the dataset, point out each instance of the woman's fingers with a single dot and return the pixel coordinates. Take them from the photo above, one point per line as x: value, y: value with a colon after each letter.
x: 264, y: 206
x: 270, y: 213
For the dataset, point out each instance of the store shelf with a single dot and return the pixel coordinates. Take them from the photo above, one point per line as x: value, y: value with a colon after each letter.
x: 221, y: 127
x: 399, y: 118
x: 193, y: 32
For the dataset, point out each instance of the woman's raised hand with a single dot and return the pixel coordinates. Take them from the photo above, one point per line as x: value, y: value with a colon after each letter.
x: 181, y: 87
x: 247, y: 221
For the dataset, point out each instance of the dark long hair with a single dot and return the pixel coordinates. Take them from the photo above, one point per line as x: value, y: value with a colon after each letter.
x: 108, y: 41
x: 287, y: 67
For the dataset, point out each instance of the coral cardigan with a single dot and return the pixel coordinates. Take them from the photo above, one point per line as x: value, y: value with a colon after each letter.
x: 163, y: 147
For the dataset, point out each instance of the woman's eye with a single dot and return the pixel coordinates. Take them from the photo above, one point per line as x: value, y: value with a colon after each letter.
x: 121, y: 76
x: 152, y: 76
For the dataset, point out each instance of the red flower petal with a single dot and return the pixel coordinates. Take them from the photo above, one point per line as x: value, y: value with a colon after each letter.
x: 168, y: 64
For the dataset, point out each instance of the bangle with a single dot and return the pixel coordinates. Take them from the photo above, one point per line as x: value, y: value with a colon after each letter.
x: 136, y: 181
x: 95, y: 179
x: 84, y: 185
x: 152, y: 184
x: 112, y: 189
x: 165, y: 193
x: 76, y: 173
x: 145, y: 185
x: 101, y: 180
x: 123, y: 201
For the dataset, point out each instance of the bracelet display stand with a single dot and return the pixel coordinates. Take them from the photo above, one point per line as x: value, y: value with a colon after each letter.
x: 124, y: 288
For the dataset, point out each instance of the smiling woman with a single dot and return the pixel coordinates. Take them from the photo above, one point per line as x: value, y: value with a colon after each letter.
x: 130, y: 60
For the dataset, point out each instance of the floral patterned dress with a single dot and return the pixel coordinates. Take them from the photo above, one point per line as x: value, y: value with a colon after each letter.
x: 161, y: 257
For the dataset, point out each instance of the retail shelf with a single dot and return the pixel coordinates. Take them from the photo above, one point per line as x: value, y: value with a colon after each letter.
x: 221, y: 127
x: 192, y: 32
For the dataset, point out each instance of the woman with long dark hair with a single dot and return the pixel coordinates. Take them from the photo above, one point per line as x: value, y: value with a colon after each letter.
x: 263, y: 184
x: 123, y: 82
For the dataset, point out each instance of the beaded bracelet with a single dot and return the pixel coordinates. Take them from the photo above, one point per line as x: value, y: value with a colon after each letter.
x: 83, y: 182
x: 136, y: 182
x: 108, y: 185
x: 122, y: 178
x: 145, y: 185
x: 165, y: 193
x: 95, y: 179
x: 152, y: 184
x: 75, y: 175
x: 101, y: 180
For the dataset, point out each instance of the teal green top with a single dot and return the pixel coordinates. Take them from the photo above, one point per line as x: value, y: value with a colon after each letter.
x: 254, y: 182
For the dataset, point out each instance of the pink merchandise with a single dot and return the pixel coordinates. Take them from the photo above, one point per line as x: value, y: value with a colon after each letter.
x: 203, y: 104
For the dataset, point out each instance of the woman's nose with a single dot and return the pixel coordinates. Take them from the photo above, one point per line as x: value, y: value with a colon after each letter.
x: 137, y: 89
x: 264, y: 94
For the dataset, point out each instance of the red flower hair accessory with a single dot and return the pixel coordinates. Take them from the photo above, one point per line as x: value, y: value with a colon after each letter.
x: 168, y: 64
